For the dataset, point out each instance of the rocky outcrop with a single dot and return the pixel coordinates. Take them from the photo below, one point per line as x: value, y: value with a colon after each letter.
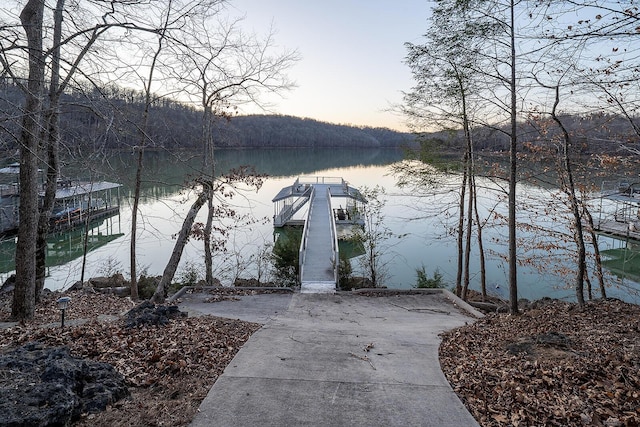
x: 48, y: 387
x: 9, y: 284
x: 148, y: 313
x: 117, y: 280
x: 115, y: 284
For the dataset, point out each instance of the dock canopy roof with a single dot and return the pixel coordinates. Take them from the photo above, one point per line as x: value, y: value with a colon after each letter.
x: 83, y: 188
x: 338, y: 187
x: 13, y: 168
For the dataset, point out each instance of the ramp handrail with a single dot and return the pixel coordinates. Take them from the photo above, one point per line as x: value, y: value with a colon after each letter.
x: 319, y: 180
x: 334, y: 240
x: 305, y: 234
x: 290, y: 210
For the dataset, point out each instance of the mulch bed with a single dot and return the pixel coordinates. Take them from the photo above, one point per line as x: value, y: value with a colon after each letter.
x: 169, y: 368
x: 556, y: 364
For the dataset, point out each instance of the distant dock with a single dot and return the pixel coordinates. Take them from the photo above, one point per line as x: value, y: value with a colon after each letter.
x: 75, y: 202
x: 619, y: 211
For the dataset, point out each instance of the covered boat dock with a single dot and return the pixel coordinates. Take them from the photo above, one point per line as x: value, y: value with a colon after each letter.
x: 319, y: 253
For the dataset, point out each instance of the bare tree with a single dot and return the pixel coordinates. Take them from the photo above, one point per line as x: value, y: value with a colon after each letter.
x: 23, y: 306
x: 143, y: 129
x: 374, y: 237
x: 79, y: 41
x: 223, y: 184
x: 568, y: 185
x: 445, y: 95
x: 51, y: 138
x: 223, y: 68
x: 601, y: 47
x: 493, y: 34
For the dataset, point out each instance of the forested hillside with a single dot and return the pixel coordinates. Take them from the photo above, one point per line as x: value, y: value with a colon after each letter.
x: 591, y: 133
x: 287, y: 131
x: 109, y: 119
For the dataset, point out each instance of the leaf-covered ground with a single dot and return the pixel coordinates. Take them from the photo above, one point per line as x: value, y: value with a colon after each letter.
x: 169, y: 369
x: 556, y: 364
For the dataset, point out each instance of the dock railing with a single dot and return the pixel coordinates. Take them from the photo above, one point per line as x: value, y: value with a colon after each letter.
x: 305, y: 235
x: 334, y: 241
x: 288, y: 211
x: 333, y: 180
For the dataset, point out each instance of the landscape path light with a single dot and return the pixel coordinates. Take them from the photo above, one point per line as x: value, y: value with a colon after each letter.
x: 63, y: 303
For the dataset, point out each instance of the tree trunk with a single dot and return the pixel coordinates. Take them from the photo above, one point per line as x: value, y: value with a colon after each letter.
x: 469, y: 179
x: 134, y: 224
x: 483, y: 267
x: 51, y: 185
x: 460, y: 237
x: 596, y: 251
x: 181, y: 241
x: 570, y: 190
x: 208, y: 252
x: 209, y: 164
x: 85, y: 237
x: 578, y: 232
x: 143, y: 142
x: 467, y: 255
x: 23, y: 306
x: 51, y: 141
x: 513, y: 176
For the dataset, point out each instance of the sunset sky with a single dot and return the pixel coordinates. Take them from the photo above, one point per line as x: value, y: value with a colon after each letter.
x: 352, y: 52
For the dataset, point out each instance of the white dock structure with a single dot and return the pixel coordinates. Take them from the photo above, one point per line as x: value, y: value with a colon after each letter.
x: 319, y: 253
x: 619, y: 211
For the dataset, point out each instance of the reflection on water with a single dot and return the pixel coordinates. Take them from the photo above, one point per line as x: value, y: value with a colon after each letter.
x: 621, y: 257
x: 166, y: 173
x: 65, y: 247
x: 421, y: 220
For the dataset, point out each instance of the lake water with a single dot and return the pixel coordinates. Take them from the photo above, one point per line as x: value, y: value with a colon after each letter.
x: 421, y: 219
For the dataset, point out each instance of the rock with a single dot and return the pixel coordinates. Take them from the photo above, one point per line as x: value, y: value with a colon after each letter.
x: 121, y: 291
x: 487, y: 307
x: 9, y: 284
x: 111, y: 285
x: 542, y: 302
x: 115, y: 281
x: 214, y: 282
x: 76, y: 286
x: 148, y: 313
x: 47, y: 386
x: 247, y: 283
x: 100, y: 282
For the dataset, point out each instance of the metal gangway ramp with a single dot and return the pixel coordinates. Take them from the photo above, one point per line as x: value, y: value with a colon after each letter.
x: 318, y: 254
x: 319, y: 247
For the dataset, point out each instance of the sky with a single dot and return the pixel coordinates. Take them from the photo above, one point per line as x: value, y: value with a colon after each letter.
x: 352, y: 51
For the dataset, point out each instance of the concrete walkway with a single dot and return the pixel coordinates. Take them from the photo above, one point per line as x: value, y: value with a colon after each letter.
x: 337, y: 360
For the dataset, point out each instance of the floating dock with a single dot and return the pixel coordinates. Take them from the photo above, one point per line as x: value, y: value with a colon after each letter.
x: 619, y: 211
x: 75, y: 202
x: 319, y: 253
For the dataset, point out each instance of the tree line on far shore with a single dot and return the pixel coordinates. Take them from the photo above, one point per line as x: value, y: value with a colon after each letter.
x: 103, y: 120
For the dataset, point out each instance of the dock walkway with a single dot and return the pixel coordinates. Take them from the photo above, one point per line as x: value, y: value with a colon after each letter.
x: 318, y: 255
x: 318, y: 264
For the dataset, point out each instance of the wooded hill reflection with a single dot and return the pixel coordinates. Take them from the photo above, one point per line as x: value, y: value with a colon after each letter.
x: 67, y: 246
x: 165, y: 173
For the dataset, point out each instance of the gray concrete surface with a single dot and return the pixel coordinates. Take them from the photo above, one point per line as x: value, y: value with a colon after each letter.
x: 260, y: 308
x: 337, y: 360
